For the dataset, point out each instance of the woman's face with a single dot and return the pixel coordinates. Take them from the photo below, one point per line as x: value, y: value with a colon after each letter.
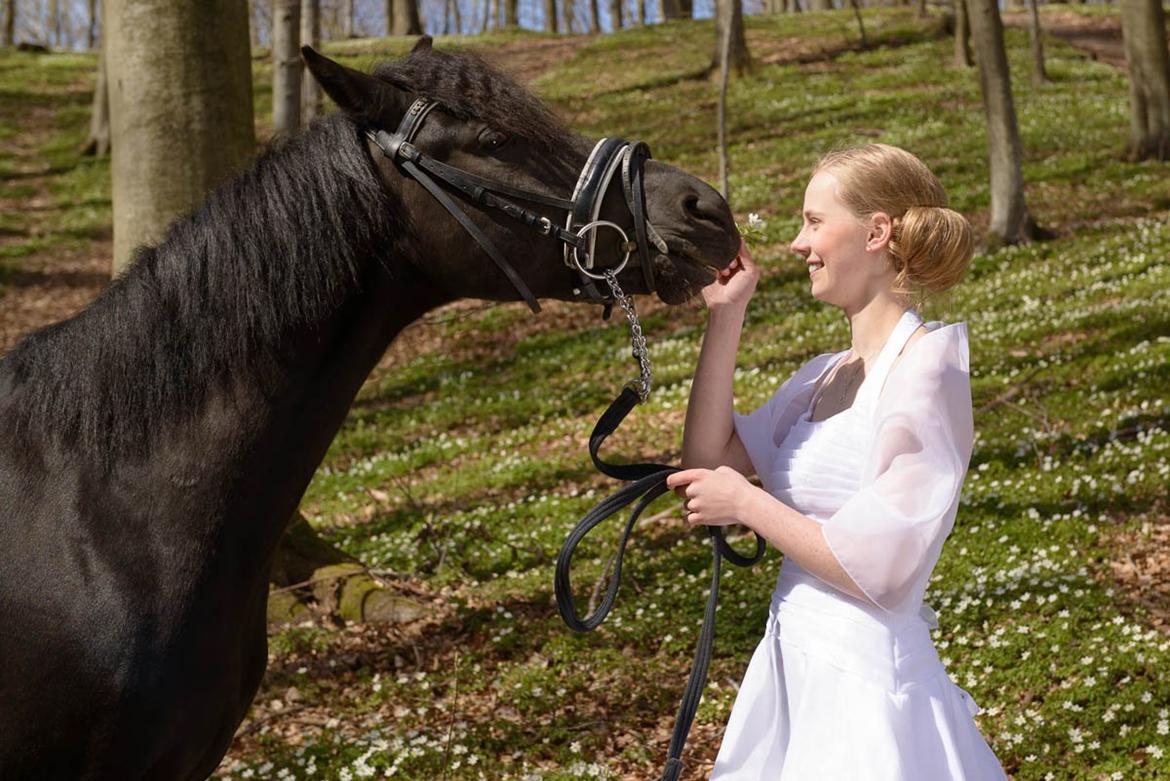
x: 844, y: 254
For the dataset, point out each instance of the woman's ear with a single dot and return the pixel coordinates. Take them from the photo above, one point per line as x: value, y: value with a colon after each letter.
x: 880, y: 231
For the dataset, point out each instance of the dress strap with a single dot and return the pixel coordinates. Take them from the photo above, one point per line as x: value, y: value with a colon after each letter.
x: 876, y: 378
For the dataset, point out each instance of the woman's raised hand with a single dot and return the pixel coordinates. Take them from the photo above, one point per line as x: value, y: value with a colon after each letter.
x: 734, y: 285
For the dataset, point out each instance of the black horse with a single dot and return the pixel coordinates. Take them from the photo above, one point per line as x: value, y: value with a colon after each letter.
x: 154, y: 447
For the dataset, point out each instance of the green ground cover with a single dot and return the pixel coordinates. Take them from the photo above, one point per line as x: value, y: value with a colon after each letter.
x: 464, y: 467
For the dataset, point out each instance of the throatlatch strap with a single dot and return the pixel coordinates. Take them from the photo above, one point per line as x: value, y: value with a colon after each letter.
x: 647, y: 481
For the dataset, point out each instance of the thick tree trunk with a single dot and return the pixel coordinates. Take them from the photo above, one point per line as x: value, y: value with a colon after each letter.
x: 1039, y: 73
x: 594, y: 17
x: 639, y: 12
x: 1010, y: 222
x: 406, y: 19
x: 820, y: 5
x: 962, y: 36
x: 179, y: 78
x: 98, y: 143
x: 739, y: 58
x: 550, y: 16
x: 346, y: 14
x: 310, y: 36
x: 511, y: 14
x: 686, y: 8
x: 669, y: 9
x: 286, y: 66
x: 389, y: 17
x: 1143, y: 25
x: 615, y: 15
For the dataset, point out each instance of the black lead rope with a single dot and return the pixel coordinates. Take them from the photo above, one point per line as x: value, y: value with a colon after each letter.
x: 647, y: 481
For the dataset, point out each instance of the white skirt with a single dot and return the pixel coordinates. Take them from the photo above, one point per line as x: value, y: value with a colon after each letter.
x: 841, y: 691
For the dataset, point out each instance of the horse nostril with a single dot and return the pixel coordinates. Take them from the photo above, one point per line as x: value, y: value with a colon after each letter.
x: 691, y: 206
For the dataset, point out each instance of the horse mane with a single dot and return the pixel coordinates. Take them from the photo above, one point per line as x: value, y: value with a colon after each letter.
x: 276, y: 248
x: 467, y: 87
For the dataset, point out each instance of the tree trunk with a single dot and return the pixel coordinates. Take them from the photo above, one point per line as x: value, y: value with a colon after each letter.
x: 861, y: 23
x: 346, y: 13
x: 550, y: 16
x: 739, y: 59
x: 310, y: 36
x: 91, y: 26
x: 640, y: 12
x: 55, y: 23
x: 724, y: 27
x: 962, y: 35
x: 615, y: 15
x: 389, y: 17
x: 511, y: 8
x: 305, y: 565
x: 1143, y: 25
x: 1010, y: 222
x: 1039, y: 73
x: 820, y: 5
x: 456, y: 17
x: 406, y: 19
x: 594, y: 17
x: 98, y: 143
x: 179, y: 78
x: 686, y: 9
x: 10, y: 23
x: 286, y: 66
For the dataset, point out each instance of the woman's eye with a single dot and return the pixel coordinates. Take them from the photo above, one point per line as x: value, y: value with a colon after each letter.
x: 492, y: 139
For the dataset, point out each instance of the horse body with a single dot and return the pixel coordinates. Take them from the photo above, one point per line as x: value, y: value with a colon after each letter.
x: 154, y: 447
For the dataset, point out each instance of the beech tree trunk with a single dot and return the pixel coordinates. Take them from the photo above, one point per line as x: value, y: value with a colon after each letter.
x: 615, y: 15
x: 962, y: 36
x: 1010, y: 222
x: 406, y: 19
x: 550, y: 16
x: 389, y: 17
x: 820, y: 5
x: 310, y: 36
x: 1143, y: 25
x: 286, y: 66
x: 1039, y: 73
x: 511, y: 11
x: 594, y: 17
x: 731, y: 12
x: 346, y: 13
x: 98, y: 143
x: 179, y: 78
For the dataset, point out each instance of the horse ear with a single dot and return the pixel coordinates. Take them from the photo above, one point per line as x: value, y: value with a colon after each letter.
x: 422, y: 43
x: 358, y: 94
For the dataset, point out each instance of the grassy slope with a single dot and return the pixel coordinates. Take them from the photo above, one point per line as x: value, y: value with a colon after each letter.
x: 465, y: 465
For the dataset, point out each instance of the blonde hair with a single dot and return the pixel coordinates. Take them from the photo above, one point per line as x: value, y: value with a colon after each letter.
x: 930, y: 245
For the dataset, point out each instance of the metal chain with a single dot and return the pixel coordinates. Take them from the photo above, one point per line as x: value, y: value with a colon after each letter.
x: 641, y: 386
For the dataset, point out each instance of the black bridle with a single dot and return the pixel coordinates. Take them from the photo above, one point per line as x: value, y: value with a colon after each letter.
x: 579, y: 233
x: 646, y: 482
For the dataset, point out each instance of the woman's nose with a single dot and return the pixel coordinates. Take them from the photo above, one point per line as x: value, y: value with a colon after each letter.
x: 799, y: 245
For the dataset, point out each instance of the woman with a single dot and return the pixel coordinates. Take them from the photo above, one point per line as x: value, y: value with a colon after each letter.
x: 862, y: 455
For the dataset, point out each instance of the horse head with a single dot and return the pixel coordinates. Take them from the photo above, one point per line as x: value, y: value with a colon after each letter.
x: 485, y: 125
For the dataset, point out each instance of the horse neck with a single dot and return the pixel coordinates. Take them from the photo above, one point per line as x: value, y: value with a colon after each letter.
x: 213, y: 374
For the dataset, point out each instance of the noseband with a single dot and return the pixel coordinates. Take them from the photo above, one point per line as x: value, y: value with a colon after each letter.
x: 579, y: 233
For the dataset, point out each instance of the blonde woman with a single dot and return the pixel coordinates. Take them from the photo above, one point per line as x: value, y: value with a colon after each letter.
x: 862, y: 455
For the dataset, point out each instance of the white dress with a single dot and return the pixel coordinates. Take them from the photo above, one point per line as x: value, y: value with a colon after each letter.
x: 840, y: 689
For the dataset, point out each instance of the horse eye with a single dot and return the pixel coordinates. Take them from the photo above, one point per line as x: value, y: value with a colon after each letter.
x: 492, y: 139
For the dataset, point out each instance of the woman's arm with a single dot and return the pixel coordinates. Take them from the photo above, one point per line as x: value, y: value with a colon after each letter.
x: 722, y: 496
x: 709, y: 438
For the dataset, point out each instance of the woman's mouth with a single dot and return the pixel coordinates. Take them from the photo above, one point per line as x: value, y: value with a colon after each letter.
x: 814, y: 267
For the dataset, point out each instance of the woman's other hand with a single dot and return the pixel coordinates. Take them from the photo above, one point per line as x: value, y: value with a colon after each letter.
x: 714, y: 497
x: 734, y: 285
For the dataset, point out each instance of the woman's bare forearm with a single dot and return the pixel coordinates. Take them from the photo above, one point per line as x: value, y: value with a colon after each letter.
x: 708, y: 426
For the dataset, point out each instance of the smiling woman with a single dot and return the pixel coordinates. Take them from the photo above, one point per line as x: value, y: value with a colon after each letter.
x: 861, y: 483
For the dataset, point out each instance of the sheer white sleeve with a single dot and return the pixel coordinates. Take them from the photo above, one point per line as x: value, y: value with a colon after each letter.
x: 763, y: 429
x: 889, y: 535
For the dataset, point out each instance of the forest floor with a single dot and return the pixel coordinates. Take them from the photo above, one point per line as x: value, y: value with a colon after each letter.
x: 462, y: 463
